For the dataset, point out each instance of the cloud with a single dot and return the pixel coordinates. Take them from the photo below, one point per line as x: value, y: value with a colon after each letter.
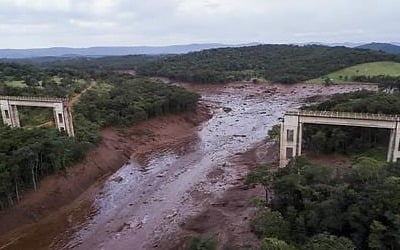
x: 41, y: 23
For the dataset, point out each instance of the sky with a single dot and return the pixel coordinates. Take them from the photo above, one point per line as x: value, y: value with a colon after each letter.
x: 86, y: 23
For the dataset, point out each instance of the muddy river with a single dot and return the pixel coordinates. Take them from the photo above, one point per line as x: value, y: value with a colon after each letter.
x: 142, y: 203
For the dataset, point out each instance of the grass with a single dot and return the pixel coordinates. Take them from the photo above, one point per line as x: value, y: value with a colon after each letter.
x: 367, y: 69
x: 377, y: 153
x: 103, y: 88
x: 16, y: 84
x: 57, y: 79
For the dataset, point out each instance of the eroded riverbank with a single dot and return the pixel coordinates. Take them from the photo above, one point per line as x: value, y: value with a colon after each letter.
x: 146, y: 202
x: 64, y: 201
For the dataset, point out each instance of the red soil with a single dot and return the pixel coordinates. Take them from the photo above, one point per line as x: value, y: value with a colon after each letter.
x: 69, y: 190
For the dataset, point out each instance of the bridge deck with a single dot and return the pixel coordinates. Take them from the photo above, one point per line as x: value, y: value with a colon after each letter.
x: 33, y: 99
x: 344, y: 115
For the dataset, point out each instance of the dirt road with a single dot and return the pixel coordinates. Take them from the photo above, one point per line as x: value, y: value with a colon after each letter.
x: 76, y: 98
x: 147, y: 202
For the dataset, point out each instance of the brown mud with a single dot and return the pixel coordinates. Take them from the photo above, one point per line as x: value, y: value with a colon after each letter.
x: 61, y: 198
x: 181, y: 178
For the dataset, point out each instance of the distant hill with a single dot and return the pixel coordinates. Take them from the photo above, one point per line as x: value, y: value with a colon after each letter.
x: 385, y: 47
x: 276, y: 63
x: 111, y: 51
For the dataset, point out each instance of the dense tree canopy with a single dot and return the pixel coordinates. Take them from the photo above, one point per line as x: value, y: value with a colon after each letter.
x: 129, y: 99
x: 362, y: 102
x: 319, y: 207
x: 276, y: 63
x: 27, y: 155
x: 28, y: 80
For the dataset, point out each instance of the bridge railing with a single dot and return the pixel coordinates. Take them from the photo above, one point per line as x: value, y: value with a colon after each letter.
x: 33, y: 98
x: 346, y: 115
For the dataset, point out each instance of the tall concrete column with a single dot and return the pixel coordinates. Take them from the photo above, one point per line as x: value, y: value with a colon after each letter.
x: 390, y: 153
x: 290, y: 138
x: 63, y: 118
x: 299, y: 138
x: 6, y: 112
x: 68, y: 121
x: 15, y: 116
x: 396, y: 144
x: 59, y: 118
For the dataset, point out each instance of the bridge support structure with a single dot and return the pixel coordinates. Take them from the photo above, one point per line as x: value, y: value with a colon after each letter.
x: 61, y: 110
x: 293, y: 121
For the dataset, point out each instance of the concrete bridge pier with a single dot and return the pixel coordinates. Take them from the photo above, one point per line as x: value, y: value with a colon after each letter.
x: 63, y: 118
x: 291, y: 136
x: 9, y: 114
x: 394, y: 144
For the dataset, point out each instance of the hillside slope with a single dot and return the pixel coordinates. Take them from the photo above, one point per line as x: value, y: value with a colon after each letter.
x: 276, y: 63
x: 387, y: 68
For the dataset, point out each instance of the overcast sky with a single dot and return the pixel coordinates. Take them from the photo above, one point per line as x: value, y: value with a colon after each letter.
x: 84, y: 23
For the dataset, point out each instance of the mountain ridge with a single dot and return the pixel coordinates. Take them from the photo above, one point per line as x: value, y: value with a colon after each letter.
x: 391, y: 48
x: 113, y: 50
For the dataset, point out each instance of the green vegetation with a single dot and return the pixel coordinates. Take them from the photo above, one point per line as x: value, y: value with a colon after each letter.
x: 29, y: 154
x: 276, y: 63
x: 16, y: 84
x: 353, y: 73
x: 275, y: 132
x: 133, y: 99
x: 101, y: 64
x: 202, y: 243
x: 353, y: 141
x: 27, y: 80
x: 319, y: 207
x: 310, y: 206
x: 345, y: 140
x: 362, y: 102
x: 32, y: 116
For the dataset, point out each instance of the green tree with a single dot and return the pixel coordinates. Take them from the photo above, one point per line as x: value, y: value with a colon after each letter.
x: 262, y: 175
x: 329, y: 242
x: 269, y: 223
x: 275, y: 244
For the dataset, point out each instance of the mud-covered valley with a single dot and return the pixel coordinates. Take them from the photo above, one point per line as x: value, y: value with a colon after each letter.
x: 156, y: 183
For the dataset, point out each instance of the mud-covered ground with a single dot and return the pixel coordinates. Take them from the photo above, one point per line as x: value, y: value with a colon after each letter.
x: 192, y: 184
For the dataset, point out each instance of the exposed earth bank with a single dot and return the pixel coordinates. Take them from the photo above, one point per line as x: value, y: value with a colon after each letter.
x: 181, y: 178
x: 28, y: 224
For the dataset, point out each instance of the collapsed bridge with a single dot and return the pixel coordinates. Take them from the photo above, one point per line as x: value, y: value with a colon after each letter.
x: 292, y: 127
x: 61, y: 110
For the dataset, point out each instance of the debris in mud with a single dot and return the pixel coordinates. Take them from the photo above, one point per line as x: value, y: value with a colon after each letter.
x: 227, y: 109
x: 219, y: 204
x: 118, y: 179
x: 240, y: 136
x: 175, y: 213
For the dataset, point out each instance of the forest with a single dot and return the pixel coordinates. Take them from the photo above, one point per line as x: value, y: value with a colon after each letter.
x: 274, y: 63
x: 327, y: 208
x: 28, y: 155
x: 384, y: 81
x: 128, y: 99
x: 28, y: 80
x: 314, y: 206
